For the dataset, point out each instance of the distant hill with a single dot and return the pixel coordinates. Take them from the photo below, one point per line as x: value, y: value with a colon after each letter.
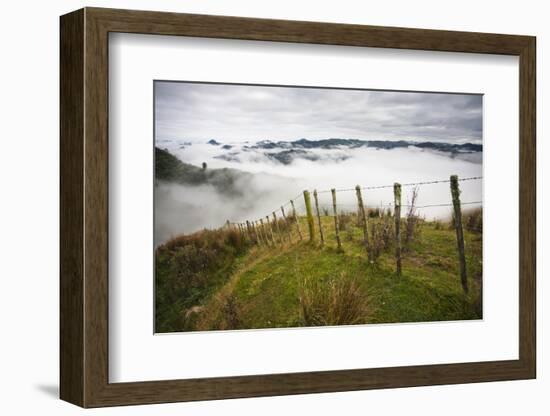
x: 377, y: 144
x: 169, y: 168
x: 285, y: 152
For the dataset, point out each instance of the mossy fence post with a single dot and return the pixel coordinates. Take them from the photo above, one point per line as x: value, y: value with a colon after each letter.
x: 336, y: 225
x: 309, y: 214
x: 397, y: 215
x: 270, y: 229
x: 296, y: 219
x: 455, y: 192
x: 318, y: 217
x: 260, y: 233
x: 279, y: 236
x: 287, y: 225
x: 363, y: 217
x: 266, y: 235
x: 250, y: 232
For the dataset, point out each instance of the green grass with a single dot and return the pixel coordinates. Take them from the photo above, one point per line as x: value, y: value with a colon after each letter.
x: 266, y: 287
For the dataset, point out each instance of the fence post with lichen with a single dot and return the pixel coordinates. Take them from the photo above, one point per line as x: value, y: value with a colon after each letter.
x: 250, y: 232
x: 279, y: 236
x: 270, y: 229
x: 318, y: 217
x: 363, y: 216
x: 260, y: 232
x: 309, y: 214
x: 455, y: 192
x: 336, y: 225
x: 296, y: 219
x: 287, y: 225
x: 397, y: 215
x: 264, y: 232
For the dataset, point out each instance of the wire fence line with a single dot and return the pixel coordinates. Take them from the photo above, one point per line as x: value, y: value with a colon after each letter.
x: 298, y: 199
x: 391, y: 204
x: 366, y: 188
x: 280, y: 225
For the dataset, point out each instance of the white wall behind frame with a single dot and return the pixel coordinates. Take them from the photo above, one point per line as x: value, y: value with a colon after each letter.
x: 29, y: 284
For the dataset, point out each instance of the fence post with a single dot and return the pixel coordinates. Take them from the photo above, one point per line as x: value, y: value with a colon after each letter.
x: 270, y: 228
x: 256, y: 236
x: 279, y: 236
x: 455, y: 192
x: 266, y: 236
x: 296, y: 219
x: 286, y: 225
x: 309, y: 214
x: 336, y: 227
x: 363, y: 215
x: 318, y: 217
x: 259, y: 230
x: 397, y: 215
x: 250, y: 233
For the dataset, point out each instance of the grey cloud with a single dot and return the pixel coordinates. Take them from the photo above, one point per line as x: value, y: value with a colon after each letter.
x: 195, y: 111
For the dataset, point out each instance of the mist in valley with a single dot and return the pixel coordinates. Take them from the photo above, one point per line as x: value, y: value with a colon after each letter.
x: 184, y: 209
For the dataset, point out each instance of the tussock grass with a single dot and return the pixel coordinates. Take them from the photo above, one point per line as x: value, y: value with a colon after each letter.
x: 338, y: 300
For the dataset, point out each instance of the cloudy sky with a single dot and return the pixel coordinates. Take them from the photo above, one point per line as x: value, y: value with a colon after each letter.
x: 198, y: 112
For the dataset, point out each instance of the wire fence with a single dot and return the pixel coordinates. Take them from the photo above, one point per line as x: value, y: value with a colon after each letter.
x: 284, y: 226
x: 298, y: 200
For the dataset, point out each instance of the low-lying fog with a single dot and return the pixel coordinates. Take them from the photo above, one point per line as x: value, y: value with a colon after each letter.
x: 182, y: 209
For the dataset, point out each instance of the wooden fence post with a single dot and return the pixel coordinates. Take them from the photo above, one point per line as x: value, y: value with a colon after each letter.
x: 296, y: 219
x: 250, y: 233
x: 256, y: 237
x: 318, y: 217
x: 261, y: 230
x: 270, y: 228
x: 363, y: 215
x: 279, y: 236
x: 258, y: 232
x: 266, y: 236
x: 336, y: 227
x: 397, y: 215
x: 287, y: 225
x: 309, y: 214
x: 455, y: 192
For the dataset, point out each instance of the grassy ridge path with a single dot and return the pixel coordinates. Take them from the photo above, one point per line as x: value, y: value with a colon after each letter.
x: 267, y: 286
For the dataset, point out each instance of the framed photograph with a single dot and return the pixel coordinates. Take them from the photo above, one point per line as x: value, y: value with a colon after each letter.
x: 255, y: 207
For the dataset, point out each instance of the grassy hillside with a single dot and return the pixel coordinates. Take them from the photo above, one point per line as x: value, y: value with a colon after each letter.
x: 220, y: 280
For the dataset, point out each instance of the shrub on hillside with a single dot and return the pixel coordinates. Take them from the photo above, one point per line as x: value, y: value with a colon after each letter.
x: 345, y: 220
x: 187, y: 267
x: 473, y: 219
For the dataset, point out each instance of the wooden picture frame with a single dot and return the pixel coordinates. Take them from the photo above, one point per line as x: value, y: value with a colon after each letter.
x: 84, y: 207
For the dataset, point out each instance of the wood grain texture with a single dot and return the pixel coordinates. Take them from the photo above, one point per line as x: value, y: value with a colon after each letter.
x: 71, y: 208
x: 84, y: 207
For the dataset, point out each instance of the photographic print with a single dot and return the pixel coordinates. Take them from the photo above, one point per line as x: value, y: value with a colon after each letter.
x: 292, y: 206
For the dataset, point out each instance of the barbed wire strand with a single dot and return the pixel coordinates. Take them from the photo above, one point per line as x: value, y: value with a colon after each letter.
x: 297, y: 197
